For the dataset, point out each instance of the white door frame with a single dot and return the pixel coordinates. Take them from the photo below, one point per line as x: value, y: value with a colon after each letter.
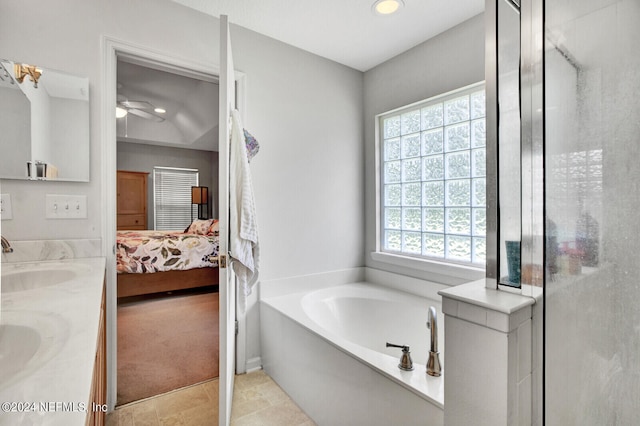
x: 113, y: 48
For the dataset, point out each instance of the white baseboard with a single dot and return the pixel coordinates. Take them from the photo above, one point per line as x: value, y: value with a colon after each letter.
x: 253, y: 364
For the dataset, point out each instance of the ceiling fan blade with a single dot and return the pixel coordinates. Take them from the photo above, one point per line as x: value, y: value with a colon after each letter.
x: 137, y: 104
x: 146, y: 115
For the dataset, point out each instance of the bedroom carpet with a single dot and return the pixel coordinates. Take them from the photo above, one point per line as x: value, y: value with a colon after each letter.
x: 166, y: 342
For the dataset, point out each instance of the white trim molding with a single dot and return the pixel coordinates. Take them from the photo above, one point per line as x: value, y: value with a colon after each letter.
x: 112, y: 50
x: 463, y: 272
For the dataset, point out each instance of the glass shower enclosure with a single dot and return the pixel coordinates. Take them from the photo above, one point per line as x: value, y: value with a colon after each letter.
x: 592, y: 203
x: 566, y: 186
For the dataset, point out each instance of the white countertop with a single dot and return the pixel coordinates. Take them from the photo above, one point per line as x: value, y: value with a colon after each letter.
x: 477, y: 294
x: 67, y: 316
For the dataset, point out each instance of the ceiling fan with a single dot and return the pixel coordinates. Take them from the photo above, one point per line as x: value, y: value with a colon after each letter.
x: 141, y: 109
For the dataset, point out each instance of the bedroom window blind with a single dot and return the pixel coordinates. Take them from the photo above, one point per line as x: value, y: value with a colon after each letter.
x: 172, y: 197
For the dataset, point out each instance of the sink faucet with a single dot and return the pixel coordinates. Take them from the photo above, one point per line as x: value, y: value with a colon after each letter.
x: 6, y: 247
x: 434, y: 368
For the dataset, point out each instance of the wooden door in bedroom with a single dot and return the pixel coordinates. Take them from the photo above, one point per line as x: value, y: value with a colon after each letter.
x: 131, y: 200
x: 227, y: 277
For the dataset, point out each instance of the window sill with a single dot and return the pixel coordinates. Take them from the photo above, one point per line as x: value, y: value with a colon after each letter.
x: 463, y: 272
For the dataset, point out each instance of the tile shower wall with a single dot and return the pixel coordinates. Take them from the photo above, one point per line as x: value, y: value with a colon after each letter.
x: 592, y: 355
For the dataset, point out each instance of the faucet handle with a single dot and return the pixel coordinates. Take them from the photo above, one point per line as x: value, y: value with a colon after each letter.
x: 392, y: 345
x: 406, y: 363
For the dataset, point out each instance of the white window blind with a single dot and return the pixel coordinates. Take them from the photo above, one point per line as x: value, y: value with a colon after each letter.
x: 172, y: 197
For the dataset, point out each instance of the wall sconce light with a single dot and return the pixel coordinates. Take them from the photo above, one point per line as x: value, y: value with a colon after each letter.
x: 200, y: 196
x: 23, y: 70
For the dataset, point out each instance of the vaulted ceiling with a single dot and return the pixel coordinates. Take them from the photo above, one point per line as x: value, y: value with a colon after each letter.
x: 191, y: 117
x: 345, y: 31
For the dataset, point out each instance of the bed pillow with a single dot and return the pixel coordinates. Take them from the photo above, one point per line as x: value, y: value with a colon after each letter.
x: 200, y: 226
x: 214, y: 229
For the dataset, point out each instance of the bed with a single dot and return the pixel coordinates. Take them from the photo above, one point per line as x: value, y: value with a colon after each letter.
x: 159, y: 261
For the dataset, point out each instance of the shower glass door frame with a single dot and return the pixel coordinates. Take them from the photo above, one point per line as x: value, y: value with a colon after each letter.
x: 531, y: 150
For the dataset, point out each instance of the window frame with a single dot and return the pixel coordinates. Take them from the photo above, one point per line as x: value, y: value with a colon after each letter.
x: 443, y: 266
x: 183, y: 170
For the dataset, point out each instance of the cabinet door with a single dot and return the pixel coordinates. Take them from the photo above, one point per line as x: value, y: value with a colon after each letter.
x: 132, y: 193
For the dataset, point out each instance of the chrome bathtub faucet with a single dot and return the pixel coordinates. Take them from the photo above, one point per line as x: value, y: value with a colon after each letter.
x: 6, y: 247
x: 406, y: 363
x: 434, y: 368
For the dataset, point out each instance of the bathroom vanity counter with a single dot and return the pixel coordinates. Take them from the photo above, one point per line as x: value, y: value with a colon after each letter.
x: 50, y: 319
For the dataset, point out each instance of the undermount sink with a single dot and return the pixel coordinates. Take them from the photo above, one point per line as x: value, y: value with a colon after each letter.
x: 28, y: 340
x: 14, y: 279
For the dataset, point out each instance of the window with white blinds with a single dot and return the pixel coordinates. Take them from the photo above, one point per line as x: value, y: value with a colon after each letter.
x: 172, y: 197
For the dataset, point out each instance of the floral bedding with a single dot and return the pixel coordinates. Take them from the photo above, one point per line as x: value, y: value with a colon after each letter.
x: 157, y: 251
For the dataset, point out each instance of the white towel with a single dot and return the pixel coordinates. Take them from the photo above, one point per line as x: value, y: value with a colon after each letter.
x: 243, y: 228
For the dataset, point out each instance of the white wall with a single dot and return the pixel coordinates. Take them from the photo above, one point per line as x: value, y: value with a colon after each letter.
x: 449, y: 61
x: 71, y: 161
x: 137, y: 157
x: 305, y: 111
x: 15, y: 122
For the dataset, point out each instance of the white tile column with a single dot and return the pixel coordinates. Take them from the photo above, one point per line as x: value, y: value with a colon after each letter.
x: 487, y: 364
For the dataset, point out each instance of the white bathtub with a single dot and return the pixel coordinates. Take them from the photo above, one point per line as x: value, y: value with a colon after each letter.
x: 326, y: 349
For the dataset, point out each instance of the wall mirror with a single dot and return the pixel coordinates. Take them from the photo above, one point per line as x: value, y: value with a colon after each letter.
x: 44, y: 117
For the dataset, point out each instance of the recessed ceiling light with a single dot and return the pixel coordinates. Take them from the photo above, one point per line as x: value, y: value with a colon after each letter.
x: 121, y: 112
x: 160, y: 110
x: 387, y: 7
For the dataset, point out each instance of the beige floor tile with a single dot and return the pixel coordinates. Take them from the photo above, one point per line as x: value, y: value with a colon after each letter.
x: 198, y: 416
x: 283, y: 413
x: 201, y: 416
x: 242, y: 407
x: 112, y: 418
x: 175, y: 402
x: 148, y: 419
x: 125, y: 416
x: 173, y: 420
x: 144, y: 413
x: 245, y: 381
x: 258, y: 401
x: 242, y: 395
x: 212, y: 388
x: 271, y: 392
x: 250, y: 420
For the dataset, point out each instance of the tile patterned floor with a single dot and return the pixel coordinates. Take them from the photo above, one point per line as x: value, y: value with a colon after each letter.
x: 257, y: 401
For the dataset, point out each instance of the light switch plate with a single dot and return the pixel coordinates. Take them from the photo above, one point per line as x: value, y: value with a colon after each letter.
x: 5, y: 207
x: 65, y: 206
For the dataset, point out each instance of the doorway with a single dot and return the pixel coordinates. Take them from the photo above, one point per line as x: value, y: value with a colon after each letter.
x: 166, y: 127
x: 116, y: 52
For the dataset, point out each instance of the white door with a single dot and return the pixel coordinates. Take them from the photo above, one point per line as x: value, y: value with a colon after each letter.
x: 227, y: 277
